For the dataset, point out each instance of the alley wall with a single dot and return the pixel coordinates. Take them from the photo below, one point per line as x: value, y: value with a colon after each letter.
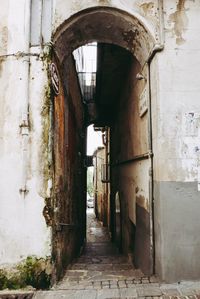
x: 30, y: 205
x: 131, y: 167
x: 24, y: 187
x: 69, y: 194
x: 176, y: 145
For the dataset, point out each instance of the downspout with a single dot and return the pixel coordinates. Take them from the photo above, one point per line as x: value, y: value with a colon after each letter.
x: 24, y: 126
x: 157, y: 48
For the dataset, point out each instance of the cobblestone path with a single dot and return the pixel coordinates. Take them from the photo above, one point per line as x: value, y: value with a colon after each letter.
x: 100, y: 266
x: 102, y: 273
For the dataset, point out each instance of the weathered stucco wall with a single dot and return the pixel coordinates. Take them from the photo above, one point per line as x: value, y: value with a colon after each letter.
x: 130, y: 171
x: 176, y: 143
x: 116, y: 26
x: 100, y: 187
x: 25, y: 147
x: 69, y: 171
x: 26, y: 185
x: 23, y: 230
x: 149, y: 12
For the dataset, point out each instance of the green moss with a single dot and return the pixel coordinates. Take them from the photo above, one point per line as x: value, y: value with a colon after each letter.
x: 3, y: 279
x: 10, y: 280
x: 46, y: 125
x: 46, y: 141
x: 45, y: 113
x: 47, y: 53
x: 35, y: 272
x: 46, y: 147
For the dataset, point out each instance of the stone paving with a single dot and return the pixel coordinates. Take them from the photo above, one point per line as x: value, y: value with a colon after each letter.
x: 102, y: 273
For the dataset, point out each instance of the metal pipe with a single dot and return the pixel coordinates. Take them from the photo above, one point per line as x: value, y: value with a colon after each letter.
x: 24, y: 126
x: 133, y: 159
x: 67, y: 224
x: 61, y: 225
x: 157, y: 48
x: 19, y: 54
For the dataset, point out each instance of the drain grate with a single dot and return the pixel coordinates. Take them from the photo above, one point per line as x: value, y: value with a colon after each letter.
x: 16, y: 295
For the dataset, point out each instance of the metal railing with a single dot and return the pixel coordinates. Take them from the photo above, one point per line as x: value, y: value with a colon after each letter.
x: 87, y: 81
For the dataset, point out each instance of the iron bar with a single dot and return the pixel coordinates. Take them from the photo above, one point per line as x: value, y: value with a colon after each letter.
x: 147, y: 155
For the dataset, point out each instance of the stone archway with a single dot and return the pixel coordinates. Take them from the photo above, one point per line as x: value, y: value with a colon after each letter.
x: 107, y: 25
x: 114, y: 26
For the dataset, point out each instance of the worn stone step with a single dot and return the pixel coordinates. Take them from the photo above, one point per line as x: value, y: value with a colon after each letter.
x: 102, y: 259
x: 102, y: 267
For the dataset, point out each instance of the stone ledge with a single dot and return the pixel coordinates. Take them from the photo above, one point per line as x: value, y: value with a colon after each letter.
x: 16, y: 294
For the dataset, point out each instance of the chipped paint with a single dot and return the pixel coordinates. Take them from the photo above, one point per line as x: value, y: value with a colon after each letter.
x: 146, y: 7
x: 142, y: 201
x: 2, y: 59
x: 129, y: 37
x: 48, y: 212
x: 3, y: 39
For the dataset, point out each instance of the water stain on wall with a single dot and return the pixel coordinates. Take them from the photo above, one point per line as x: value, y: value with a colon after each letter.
x: 180, y: 20
x: 4, y: 39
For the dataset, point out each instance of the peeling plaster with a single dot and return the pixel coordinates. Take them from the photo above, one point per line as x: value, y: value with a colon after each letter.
x: 146, y: 7
x: 129, y: 36
x: 4, y: 39
x: 142, y: 201
x: 1, y: 64
x: 180, y: 20
x: 48, y: 212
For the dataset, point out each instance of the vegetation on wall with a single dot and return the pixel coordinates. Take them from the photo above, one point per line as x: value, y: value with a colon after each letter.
x: 34, y: 272
x: 46, y: 114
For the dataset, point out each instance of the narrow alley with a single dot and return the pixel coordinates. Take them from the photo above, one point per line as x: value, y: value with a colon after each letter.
x: 101, y: 272
x: 100, y: 266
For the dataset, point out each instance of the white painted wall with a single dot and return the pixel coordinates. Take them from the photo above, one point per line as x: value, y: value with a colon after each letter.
x: 23, y: 230
x: 177, y: 113
x: 176, y: 141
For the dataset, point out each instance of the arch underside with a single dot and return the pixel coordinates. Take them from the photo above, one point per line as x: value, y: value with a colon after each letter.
x: 105, y: 25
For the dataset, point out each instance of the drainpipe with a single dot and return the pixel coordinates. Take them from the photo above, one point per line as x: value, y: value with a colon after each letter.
x: 157, y: 48
x: 24, y: 126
